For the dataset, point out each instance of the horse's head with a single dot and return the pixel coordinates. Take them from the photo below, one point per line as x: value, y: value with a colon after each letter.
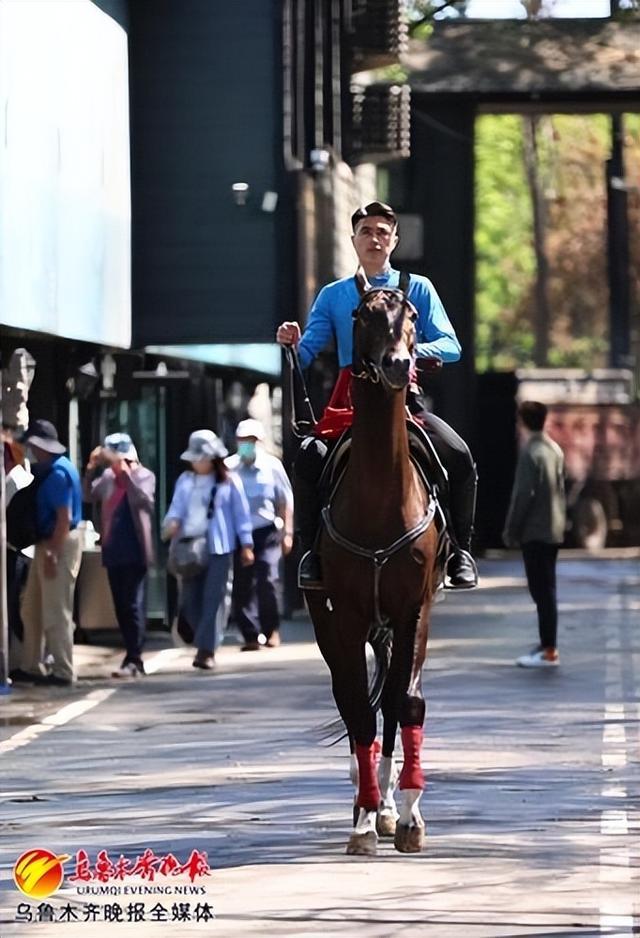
x: 383, y: 336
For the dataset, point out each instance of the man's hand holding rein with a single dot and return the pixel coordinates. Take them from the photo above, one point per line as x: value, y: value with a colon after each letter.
x: 288, y: 333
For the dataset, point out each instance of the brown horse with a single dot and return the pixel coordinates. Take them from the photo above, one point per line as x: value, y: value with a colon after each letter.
x: 378, y: 547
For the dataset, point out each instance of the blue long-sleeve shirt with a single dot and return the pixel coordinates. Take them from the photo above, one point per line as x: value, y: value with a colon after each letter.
x: 330, y: 317
x: 230, y: 518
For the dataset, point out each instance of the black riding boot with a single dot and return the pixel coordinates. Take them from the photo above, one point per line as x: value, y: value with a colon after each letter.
x: 307, y: 513
x: 461, y: 567
x: 308, y: 504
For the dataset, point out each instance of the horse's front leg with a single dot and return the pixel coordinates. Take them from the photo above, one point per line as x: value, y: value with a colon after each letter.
x: 347, y: 664
x: 387, y: 813
x: 410, y: 829
x: 351, y: 693
x: 364, y: 838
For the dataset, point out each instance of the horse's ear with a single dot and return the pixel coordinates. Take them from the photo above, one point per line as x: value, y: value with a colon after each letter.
x: 413, y: 312
x: 361, y: 281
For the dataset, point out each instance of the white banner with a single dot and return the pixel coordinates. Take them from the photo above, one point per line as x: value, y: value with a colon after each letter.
x: 65, y: 212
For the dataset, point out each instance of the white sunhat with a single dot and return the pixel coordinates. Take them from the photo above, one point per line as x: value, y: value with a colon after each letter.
x: 204, y: 444
x: 250, y: 427
x: 122, y: 444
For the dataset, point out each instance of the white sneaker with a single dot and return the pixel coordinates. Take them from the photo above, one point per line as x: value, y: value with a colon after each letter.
x: 540, y: 658
x: 127, y: 671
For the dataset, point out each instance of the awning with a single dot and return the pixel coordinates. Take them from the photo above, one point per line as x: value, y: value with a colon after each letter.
x: 263, y: 357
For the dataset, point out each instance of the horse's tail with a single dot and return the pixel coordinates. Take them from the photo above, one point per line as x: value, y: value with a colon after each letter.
x: 381, y: 641
x: 331, y: 733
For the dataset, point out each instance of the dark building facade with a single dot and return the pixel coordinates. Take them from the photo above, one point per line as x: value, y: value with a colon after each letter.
x: 212, y: 214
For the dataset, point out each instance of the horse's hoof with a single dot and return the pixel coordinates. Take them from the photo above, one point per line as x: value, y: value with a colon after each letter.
x: 385, y: 825
x: 409, y: 839
x: 362, y: 845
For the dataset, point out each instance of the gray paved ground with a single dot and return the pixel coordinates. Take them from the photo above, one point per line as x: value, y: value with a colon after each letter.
x: 532, y: 805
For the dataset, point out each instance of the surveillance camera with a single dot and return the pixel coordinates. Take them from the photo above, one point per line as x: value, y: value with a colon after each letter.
x: 319, y: 160
x: 240, y: 191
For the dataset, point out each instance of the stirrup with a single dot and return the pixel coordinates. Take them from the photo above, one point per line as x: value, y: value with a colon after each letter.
x: 466, y: 577
x: 310, y: 572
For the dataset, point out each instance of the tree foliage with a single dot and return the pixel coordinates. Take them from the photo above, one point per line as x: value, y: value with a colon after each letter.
x: 505, y: 262
x: 572, y: 153
x: 421, y: 14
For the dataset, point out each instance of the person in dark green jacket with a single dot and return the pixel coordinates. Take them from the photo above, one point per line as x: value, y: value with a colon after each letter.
x: 536, y: 522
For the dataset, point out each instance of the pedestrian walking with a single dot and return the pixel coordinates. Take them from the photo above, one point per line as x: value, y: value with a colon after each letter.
x: 208, y: 514
x: 47, y: 603
x: 125, y: 492
x: 268, y: 491
x: 17, y: 476
x: 536, y: 522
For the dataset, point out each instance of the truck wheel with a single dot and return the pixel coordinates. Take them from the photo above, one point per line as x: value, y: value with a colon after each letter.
x: 590, y: 524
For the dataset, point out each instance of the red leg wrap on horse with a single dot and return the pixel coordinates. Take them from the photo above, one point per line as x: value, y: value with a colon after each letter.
x: 368, y: 791
x: 412, y: 775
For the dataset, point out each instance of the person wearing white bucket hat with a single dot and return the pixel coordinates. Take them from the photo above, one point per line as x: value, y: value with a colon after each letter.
x: 268, y: 491
x: 125, y: 492
x: 208, y: 509
x: 122, y: 444
x: 204, y: 445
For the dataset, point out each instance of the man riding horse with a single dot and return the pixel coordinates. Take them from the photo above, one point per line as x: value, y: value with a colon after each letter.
x: 375, y: 236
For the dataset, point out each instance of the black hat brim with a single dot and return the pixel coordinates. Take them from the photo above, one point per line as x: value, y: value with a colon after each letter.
x: 49, y: 446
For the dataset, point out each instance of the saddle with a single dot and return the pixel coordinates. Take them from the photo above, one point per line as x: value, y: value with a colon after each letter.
x: 421, y: 450
x: 434, y: 478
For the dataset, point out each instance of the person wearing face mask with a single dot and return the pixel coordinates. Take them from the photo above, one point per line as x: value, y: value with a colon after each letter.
x: 268, y: 491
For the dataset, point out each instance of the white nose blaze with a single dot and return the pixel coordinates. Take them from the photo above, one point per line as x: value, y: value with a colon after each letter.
x: 396, y: 366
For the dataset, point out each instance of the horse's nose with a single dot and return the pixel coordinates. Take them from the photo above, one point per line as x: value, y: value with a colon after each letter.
x: 396, y: 369
x: 399, y: 361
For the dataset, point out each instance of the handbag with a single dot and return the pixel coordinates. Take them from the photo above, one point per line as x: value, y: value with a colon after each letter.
x: 188, y: 556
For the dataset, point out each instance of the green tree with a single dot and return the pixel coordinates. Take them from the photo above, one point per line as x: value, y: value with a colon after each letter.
x: 505, y: 262
x: 571, y: 152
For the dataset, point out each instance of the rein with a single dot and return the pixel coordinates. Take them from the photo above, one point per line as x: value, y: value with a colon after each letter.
x: 301, y: 428
x: 380, y: 556
x: 369, y: 373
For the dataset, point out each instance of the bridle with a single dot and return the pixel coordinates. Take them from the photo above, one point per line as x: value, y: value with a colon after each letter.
x: 366, y: 370
x: 363, y: 368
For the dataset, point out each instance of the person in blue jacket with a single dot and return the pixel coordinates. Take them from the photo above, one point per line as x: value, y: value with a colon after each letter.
x: 375, y: 236
x: 47, y: 603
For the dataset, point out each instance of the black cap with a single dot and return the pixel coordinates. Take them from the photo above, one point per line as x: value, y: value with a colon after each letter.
x: 374, y: 208
x: 44, y: 435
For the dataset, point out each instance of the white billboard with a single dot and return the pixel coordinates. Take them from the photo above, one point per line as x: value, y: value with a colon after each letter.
x: 65, y: 206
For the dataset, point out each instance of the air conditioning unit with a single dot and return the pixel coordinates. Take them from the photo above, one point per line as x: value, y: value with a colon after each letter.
x: 381, y: 123
x: 380, y: 33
